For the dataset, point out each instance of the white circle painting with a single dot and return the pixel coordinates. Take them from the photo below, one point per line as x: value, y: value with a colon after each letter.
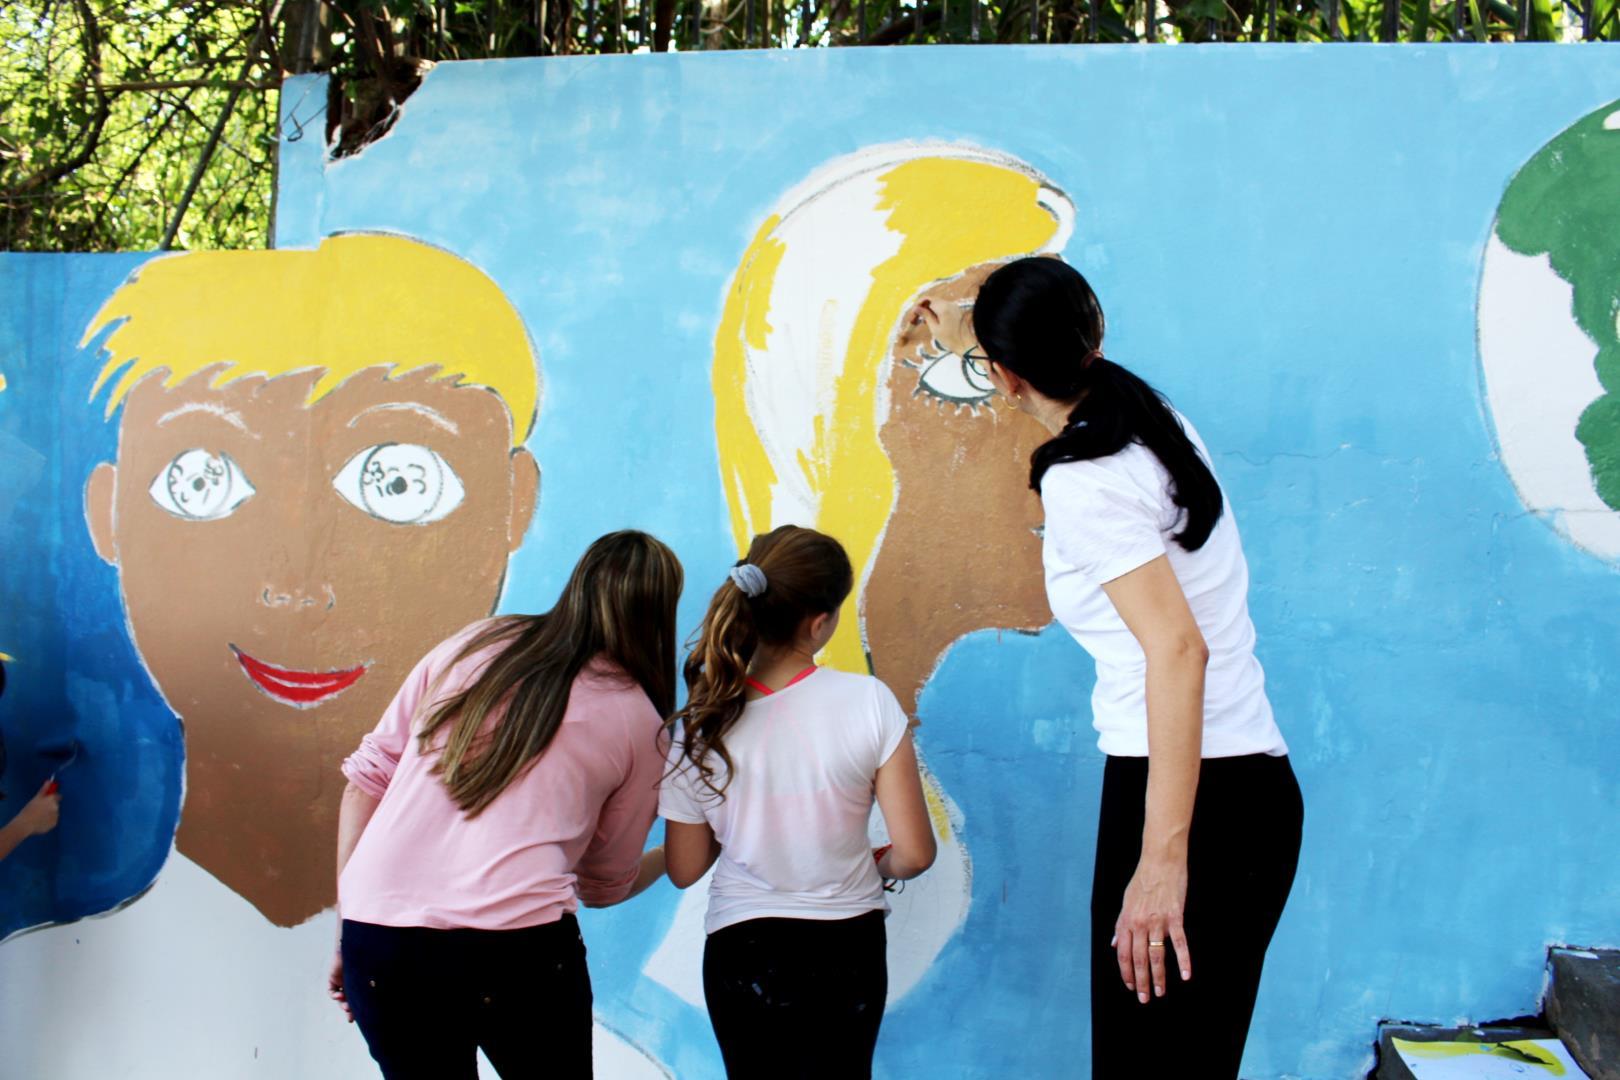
x: 1549, y: 342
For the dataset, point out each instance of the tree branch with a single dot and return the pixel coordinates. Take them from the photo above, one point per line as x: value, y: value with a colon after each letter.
x: 91, y: 40
x: 129, y: 170
x: 180, y: 84
x: 214, y: 134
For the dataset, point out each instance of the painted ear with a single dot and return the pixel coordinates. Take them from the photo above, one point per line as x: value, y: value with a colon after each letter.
x: 525, y: 494
x: 99, y: 492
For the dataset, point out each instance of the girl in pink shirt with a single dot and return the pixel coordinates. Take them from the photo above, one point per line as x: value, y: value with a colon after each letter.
x: 514, y: 777
x: 774, y: 768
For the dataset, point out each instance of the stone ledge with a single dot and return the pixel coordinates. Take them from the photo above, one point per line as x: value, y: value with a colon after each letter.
x: 1583, y: 1005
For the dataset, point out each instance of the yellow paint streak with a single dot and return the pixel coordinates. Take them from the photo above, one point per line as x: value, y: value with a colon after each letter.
x: 951, y: 214
x: 1518, y: 1050
x: 936, y: 808
x: 746, y: 473
x: 358, y: 301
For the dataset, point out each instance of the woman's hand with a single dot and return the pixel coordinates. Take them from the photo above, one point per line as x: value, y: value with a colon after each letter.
x: 1151, y: 912
x: 946, y: 322
x: 40, y: 814
x: 334, y: 984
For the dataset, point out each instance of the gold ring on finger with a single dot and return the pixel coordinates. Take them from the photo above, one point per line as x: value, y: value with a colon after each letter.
x: 1155, y: 944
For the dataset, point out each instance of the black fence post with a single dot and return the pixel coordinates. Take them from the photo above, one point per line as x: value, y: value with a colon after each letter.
x: 1392, y: 20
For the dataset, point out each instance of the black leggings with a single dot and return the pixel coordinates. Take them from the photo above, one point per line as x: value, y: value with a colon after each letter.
x: 797, y: 997
x: 427, y: 1000
x: 1242, y: 853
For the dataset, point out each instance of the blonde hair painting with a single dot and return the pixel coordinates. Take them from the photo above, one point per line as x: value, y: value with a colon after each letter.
x: 803, y: 348
x: 359, y: 300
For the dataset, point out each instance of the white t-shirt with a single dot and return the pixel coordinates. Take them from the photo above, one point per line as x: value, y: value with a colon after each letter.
x: 1109, y: 516
x: 793, y: 823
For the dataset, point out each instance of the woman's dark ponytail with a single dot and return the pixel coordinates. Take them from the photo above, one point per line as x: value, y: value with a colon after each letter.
x: 1040, y: 319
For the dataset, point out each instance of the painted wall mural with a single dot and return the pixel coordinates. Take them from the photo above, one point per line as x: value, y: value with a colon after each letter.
x: 293, y: 450
x: 1548, y: 334
x: 249, y: 494
x: 824, y: 398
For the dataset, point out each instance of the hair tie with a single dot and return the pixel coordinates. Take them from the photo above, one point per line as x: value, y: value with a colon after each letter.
x: 1090, y: 358
x: 749, y: 578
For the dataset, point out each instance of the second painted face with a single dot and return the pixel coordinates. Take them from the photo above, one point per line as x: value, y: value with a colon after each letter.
x: 284, y: 565
x: 962, y: 550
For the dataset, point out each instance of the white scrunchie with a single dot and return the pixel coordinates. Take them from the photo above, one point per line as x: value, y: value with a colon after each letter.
x: 749, y: 578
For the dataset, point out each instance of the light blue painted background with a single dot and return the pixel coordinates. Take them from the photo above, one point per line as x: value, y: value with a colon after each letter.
x: 1288, y: 242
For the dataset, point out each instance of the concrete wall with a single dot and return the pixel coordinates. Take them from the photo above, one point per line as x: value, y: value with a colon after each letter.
x: 1390, y: 311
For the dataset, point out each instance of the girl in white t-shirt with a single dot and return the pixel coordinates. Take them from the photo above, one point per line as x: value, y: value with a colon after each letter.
x: 774, y: 766
x: 1199, y: 832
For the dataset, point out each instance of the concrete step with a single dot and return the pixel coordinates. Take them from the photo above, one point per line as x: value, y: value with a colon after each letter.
x: 1583, y: 1005
x: 1413, y: 1051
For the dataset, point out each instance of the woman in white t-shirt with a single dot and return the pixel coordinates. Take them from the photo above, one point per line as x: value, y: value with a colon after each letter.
x: 1198, y: 837
x: 774, y: 767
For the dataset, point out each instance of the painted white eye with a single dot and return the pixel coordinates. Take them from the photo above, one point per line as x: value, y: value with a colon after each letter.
x: 401, y: 483
x: 953, y: 378
x: 201, y: 486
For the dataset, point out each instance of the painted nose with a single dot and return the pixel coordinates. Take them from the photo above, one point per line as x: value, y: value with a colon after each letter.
x: 274, y: 597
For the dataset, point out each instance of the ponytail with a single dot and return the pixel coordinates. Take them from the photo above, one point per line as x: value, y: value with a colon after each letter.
x: 790, y: 574
x: 1040, y: 319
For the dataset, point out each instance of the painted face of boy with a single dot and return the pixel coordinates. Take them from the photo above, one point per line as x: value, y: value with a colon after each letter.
x: 284, y: 565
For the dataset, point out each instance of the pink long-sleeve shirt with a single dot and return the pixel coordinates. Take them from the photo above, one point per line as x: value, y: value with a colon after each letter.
x: 570, y: 829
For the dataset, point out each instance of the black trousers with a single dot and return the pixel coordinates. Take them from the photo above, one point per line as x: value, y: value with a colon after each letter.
x: 427, y: 1000
x: 797, y: 997
x: 1242, y: 853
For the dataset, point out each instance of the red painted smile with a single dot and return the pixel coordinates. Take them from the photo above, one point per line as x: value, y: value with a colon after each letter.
x: 299, y: 688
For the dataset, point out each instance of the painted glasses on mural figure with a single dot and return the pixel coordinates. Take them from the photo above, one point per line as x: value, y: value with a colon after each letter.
x: 320, y: 475
x: 1144, y: 567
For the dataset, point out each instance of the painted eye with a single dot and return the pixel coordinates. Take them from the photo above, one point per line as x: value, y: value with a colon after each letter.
x: 201, y: 486
x: 953, y: 378
x: 400, y: 483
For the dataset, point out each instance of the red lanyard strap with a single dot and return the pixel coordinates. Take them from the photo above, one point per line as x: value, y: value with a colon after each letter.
x: 762, y: 688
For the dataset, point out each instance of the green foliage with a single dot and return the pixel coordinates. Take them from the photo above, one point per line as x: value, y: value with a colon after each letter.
x: 132, y: 92
x: 107, y: 109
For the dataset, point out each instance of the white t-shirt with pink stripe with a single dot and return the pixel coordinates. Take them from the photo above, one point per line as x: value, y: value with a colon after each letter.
x: 793, y: 823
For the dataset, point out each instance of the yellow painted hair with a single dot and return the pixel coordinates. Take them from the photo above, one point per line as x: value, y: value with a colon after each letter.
x: 358, y: 301
x: 951, y: 212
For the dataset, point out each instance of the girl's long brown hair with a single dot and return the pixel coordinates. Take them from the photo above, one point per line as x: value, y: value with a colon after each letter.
x: 807, y: 573
x: 620, y: 603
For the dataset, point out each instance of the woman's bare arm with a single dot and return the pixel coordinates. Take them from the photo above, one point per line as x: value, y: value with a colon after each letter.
x: 1150, y: 601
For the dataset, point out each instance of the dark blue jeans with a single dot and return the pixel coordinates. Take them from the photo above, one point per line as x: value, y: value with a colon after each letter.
x: 427, y: 1000
x: 797, y: 997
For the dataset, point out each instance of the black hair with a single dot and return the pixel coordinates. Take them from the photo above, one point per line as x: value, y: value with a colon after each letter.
x: 1040, y: 319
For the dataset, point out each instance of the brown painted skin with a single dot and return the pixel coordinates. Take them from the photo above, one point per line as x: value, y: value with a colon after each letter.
x: 960, y: 552
x: 300, y: 579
